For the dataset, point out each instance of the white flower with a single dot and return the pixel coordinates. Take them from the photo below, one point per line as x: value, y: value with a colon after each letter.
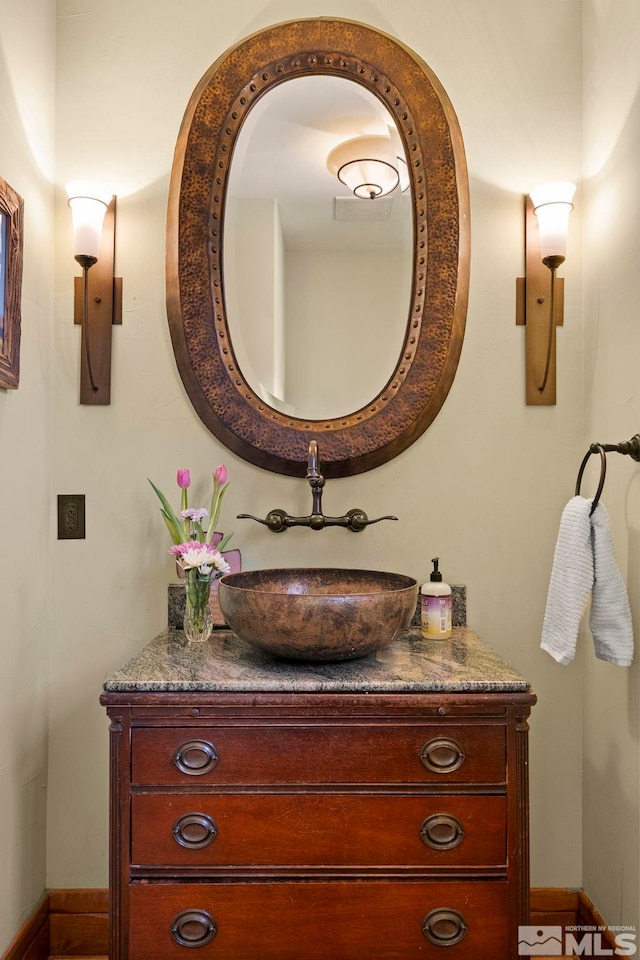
x: 194, y: 515
x: 197, y: 555
x: 221, y: 564
x: 202, y: 556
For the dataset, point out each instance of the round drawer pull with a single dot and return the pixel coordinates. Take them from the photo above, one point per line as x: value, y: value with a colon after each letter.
x: 193, y: 928
x: 442, y: 831
x: 444, y: 927
x: 442, y: 755
x: 196, y: 757
x: 194, y: 831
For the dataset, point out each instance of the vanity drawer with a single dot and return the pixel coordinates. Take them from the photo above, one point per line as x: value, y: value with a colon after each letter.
x: 319, y: 753
x: 269, y: 830
x: 370, y: 920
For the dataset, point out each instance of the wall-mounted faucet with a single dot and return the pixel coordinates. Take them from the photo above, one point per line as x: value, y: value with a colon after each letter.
x: 279, y: 520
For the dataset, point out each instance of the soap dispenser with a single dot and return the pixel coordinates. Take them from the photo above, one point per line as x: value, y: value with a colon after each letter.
x: 435, y: 606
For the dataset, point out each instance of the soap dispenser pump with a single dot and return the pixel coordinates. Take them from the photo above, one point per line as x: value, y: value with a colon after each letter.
x: 435, y: 606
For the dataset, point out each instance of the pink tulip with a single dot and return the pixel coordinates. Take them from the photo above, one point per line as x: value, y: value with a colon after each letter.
x: 220, y: 474
x: 184, y: 479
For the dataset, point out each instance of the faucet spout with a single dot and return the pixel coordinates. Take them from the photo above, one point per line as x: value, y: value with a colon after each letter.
x: 313, y: 470
x: 316, y: 482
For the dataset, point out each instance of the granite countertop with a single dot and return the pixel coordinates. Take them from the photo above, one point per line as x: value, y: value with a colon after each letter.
x: 226, y: 663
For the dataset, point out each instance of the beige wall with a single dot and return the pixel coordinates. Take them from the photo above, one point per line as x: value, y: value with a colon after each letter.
x: 483, y: 488
x: 355, y: 323
x: 27, y: 79
x: 612, y: 382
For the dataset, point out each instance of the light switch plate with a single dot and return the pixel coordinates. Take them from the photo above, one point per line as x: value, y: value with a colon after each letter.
x: 71, y: 516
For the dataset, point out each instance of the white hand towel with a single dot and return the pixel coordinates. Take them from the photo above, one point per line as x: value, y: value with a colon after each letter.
x: 584, y: 563
x: 571, y: 581
x: 610, y: 616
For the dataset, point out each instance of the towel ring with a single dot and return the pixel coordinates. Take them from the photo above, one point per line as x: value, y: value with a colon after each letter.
x: 595, y: 448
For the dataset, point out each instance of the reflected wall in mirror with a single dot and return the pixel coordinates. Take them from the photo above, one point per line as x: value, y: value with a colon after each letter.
x: 317, y: 321
x: 253, y: 249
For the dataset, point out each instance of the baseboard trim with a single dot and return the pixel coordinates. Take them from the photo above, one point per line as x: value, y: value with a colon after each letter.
x: 93, y: 900
x: 560, y: 907
x: 78, y: 923
x: 75, y: 923
x: 31, y: 942
x: 589, y: 916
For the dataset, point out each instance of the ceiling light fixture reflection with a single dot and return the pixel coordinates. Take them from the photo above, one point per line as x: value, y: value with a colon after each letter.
x: 366, y: 165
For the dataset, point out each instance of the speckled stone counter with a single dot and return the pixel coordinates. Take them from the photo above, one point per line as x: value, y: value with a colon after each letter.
x: 225, y: 663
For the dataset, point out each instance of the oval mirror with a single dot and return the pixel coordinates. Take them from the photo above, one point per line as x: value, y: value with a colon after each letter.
x: 318, y: 247
x: 317, y: 318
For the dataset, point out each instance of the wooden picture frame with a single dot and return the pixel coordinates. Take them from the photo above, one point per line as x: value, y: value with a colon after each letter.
x: 11, y: 241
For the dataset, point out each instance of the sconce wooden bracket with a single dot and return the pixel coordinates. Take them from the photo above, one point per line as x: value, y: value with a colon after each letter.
x: 533, y: 302
x: 105, y: 309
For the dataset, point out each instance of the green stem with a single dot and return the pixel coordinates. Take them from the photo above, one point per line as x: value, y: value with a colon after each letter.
x: 197, y: 591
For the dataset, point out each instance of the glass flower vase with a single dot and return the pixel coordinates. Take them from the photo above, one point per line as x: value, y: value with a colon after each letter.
x: 198, y: 622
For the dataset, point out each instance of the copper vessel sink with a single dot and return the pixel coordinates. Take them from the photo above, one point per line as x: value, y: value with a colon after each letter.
x: 317, y: 613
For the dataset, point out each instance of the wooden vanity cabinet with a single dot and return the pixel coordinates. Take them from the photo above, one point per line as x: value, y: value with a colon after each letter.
x: 318, y: 826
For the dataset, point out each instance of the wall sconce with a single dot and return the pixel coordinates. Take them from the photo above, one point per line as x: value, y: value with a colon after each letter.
x: 98, y: 294
x: 540, y: 295
x: 366, y: 165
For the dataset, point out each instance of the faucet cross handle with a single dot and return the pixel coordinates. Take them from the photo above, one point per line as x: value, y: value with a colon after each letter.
x: 278, y: 520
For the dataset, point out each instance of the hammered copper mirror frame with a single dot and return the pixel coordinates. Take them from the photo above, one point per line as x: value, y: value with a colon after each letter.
x: 406, y: 406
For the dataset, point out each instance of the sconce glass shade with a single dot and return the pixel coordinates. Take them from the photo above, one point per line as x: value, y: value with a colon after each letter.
x: 366, y: 166
x: 88, y: 208
x: 552, y: 204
